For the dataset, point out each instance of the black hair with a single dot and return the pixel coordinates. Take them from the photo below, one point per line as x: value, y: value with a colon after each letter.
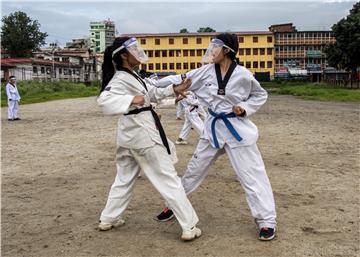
x: 231, y: 40
x: 108, y: 69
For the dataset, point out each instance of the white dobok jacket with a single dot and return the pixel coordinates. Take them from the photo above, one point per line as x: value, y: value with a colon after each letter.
x: 242, y: 90
x: 12, y: 92
x: 138, y: 130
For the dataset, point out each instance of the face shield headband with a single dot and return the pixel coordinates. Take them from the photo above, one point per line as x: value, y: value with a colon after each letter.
x: 213, y: 50
x: 133, y: 47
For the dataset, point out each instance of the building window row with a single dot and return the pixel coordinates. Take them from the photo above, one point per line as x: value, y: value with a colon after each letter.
x: 255, y: 51
x: 171, y: 41
x: 175, y: 53
x: 255, y: 39
x: 171, y: 66
x: 303, y: 35
x: 256, y: 65
x: 299, y: 48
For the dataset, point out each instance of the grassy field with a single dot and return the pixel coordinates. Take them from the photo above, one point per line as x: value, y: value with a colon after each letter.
x: 312, y: 91
x: 36, y: 92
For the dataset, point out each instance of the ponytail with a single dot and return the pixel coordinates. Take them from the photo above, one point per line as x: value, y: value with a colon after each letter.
x: 112, y: 62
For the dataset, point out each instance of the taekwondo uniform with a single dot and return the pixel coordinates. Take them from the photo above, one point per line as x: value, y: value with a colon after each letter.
x: 141, y: 144
x: 226, y: 132
x: 13, y: 101
x: 191, y: 104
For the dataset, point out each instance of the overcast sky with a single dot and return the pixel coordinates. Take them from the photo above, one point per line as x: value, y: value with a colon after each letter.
x: 65, y: 20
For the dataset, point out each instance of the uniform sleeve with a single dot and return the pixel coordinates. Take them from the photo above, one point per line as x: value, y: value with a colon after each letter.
x: 113, y: 100
x: 157, y: 93
x: 257, y: 98
x: 8, y: 91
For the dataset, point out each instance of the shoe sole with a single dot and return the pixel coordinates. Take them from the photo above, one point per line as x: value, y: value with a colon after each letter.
x: 267, y: 239
x: 171, y: 217
x: 190, y: 239
x: 112, y: 226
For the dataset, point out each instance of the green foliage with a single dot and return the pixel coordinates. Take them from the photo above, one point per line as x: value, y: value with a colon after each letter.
x: 34, y: 91
x: 312, y: 91
x: 345, y: 53
x: 207, y: 29
x: 20, y: 35
x: 184, y: 30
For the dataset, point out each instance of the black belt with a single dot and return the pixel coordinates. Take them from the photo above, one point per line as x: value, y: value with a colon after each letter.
x: 194, y: 107
x: 157, y: 123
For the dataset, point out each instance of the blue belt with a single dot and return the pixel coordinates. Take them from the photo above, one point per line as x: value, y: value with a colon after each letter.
x: 224, y: 116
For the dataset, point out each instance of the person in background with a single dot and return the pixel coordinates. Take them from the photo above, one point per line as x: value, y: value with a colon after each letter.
x: 13, y: 99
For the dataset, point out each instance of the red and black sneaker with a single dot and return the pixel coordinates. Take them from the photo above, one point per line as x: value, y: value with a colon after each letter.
x: 165, y: 215
x: 266, y: 234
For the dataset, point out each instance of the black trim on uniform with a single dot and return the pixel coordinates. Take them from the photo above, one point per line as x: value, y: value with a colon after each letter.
x: 222, y: 83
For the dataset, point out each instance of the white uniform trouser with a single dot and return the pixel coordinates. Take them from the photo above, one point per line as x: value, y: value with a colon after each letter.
x: 159, y: 169
x: 250, y: 170
x: 13, y: 107
x: 192, y: 120
x: 179, y: 110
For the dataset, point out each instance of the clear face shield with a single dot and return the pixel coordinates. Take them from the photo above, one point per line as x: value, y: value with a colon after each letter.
x: 214, y: 50
x: 134, y: 49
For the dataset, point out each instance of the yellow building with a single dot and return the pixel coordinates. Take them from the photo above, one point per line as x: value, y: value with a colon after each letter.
x: 181, y: 52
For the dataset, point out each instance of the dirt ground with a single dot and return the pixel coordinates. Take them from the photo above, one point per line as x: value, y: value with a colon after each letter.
x: 58, y: 165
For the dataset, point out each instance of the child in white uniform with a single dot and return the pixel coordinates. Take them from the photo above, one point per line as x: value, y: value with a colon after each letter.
x: 141, y: 141
x: 13, y: 99
x: 231, y: 94
x: 190, y: 105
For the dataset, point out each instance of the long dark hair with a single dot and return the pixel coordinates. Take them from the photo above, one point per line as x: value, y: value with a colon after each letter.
x: 231, y: 41
x: 108, y: 70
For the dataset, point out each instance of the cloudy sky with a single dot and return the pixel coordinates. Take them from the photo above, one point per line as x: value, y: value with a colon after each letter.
x: 65, y: 20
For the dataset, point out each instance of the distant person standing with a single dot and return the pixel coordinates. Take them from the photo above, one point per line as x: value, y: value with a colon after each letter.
x: 13, y: 99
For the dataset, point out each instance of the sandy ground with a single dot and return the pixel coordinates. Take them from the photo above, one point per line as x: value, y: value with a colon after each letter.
x: 58, y: 166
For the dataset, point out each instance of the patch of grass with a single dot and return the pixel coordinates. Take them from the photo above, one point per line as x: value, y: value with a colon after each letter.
x: 36, y: 92
x: 313, y: 91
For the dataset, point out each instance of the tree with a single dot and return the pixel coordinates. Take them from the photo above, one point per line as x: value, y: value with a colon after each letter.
x: 207, y: 29
x: 20, y: 35
x: 184, y: 30
x: 345, y: 53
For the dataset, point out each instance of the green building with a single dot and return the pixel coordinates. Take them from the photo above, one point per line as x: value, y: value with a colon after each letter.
x: 102, y: 34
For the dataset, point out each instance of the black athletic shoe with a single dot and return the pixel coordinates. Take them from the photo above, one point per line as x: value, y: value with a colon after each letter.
x: 165, y: 215
x: 266, y: 234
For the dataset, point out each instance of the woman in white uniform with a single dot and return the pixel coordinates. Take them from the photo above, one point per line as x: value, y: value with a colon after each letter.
x: 141, y: 141
x: 192, y: 120
x: 13, y: 99
x: 232, y: 95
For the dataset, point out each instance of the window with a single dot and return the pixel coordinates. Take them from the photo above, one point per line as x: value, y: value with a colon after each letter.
x: 198, y: 40
x: 171, y: 53
x: 171, y: 41
x: 241, y: 63
x: 171, y: 66
x: 255, y: 39
x: 164, y: 66
x: 269, y: 39
x: 143, y: 41
x: 198, y: 65
x: 192, y: 52
x: 178, y: 66
x: 186, y: 65
x: 241, y: 39
x: 157, y: 41
x: 185, y: 40
x: 151, y: 66
x: 262, y: 64
x: 248, y: 51
x: 255, y: 65
x: 269, y: 64
x: 157, y: 66
x: 143, y: 66
x: 255, y: 51
x: 248, y: 65
x: 178, y: 53
x: 192, y: 65
x: 199, y: 52
x: 186, y: 52
x: 150, y: 53
x: 164, y: 53
x: 35, y: 70
x: 269, y: 51
x: 241, y: 51
x: 97, y: 36
x: 262, y: 51
x: 60, y: 71
x: 157, y: 53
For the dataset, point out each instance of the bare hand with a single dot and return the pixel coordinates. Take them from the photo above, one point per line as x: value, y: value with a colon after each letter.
x: 238, y: 110
x: 181, y: 97
x: 138, y: 100
x: 181, y: 88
